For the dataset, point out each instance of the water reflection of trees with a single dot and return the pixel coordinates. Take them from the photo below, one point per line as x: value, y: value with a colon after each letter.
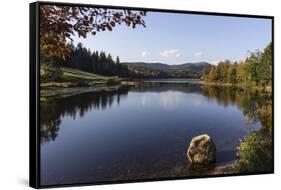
x: 255, y: 150
x: 256, y: 106
x: 53, y: 108
x: 163, y: 87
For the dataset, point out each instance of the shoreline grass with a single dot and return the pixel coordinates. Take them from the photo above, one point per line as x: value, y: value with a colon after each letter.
x: 241, y: 86
x: 76, y: 78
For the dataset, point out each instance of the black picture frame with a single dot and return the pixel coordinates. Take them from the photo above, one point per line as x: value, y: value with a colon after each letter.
x: 34, y: 91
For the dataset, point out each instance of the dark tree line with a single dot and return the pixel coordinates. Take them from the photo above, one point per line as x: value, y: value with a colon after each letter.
x: 58, y: 24
x: 95, y: 62
x: 98, y: 62
x: 53, y: 109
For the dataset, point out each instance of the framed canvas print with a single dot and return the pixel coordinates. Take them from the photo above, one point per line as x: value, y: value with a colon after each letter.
x: 126, y: 94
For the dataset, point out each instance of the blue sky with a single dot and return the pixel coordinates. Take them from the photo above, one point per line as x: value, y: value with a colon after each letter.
x: 174, y: 38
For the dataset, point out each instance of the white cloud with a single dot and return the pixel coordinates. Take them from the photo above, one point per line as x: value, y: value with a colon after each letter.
x: 198, y: 54
x: 215, y: 62
x: 170, y: 53
x: 144, y: 54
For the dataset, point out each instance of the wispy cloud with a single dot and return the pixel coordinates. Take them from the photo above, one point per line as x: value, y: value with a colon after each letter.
x: 198, y: 54
x: 170, y: 53
x: 144, y: 54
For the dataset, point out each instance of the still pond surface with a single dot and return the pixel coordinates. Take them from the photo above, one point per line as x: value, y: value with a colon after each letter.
x: 138, y: 132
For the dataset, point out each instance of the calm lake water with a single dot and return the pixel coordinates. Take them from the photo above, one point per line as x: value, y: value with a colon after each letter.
x: 138, y: 132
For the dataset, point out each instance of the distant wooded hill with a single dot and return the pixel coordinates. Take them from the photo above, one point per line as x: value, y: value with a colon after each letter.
x: 102, y: 63
x: 156, y: 70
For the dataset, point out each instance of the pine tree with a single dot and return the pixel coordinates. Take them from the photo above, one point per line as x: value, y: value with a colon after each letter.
x: 117, y: 60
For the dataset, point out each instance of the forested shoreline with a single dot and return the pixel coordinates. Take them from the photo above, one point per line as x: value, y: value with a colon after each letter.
x: 125, y: 83
x: 256, y: 70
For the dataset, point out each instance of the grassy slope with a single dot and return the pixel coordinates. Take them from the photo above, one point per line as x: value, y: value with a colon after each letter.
x: 73, y: 77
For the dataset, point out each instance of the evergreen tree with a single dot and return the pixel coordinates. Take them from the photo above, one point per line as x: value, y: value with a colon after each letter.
x: 117, y: 60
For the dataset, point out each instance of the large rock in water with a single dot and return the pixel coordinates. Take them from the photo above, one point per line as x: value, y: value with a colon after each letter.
x: 201, y: 150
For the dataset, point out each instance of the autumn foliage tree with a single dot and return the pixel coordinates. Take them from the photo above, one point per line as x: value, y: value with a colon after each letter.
x: 59, y: 23
x: 256, y: 70
x: 213, y: 74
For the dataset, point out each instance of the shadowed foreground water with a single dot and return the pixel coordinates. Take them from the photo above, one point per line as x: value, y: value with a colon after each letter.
x: 138, y: 132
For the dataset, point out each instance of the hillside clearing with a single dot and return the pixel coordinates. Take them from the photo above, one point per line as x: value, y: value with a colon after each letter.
x: 73, y: 78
